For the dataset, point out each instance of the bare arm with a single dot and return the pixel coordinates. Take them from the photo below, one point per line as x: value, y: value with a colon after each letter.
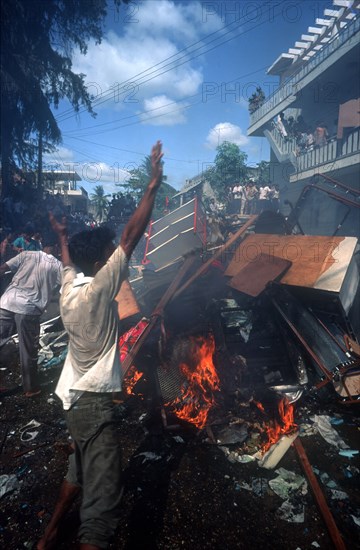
x: 137, y: 224
x: 61, y: 230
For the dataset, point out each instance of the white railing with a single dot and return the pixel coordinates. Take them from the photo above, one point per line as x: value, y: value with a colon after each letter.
x: 285, y: 145
x: 332, y: 151
x: 290, y: 87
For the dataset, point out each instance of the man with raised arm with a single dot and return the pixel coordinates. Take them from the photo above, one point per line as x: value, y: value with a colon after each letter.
x: 93, y: 270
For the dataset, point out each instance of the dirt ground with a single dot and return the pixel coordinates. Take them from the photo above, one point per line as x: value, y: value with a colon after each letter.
x: 181, y: 491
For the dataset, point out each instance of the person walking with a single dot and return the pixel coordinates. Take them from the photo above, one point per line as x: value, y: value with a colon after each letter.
x: 37, y: 275
x: 93, y: 271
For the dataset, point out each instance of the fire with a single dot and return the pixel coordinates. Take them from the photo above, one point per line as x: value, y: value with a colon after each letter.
x: 259, y: 405
x: 132, y: 376
x: 274, y: 430
x: 201, y: 381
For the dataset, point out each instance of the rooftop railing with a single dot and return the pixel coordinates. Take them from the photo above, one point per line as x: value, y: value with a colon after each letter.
x: 290, y: 87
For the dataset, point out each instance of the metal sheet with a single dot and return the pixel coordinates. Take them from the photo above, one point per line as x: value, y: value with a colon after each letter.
x: 175, y: 248
x: 171, y: 230
x: 176, y: 234
x: 187, y: 208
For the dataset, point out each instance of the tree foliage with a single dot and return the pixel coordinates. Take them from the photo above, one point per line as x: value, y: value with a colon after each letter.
x: 230, y: 167
x: 263, y: 171
x: 121, y: 207
x: 138, y: 181
x: 100, y: 202
x: 37, y: 40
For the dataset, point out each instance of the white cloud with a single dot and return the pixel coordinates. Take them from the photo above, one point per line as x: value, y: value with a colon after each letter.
x: 98, y: 173
x: 53, y: 161
x: 225, y: 131
x: 162, y: 111
x: 186, y: 20
x: 125, y: 66
x: 138, y: 64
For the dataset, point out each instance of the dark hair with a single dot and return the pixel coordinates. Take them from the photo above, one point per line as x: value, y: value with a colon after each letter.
x: 271, y: 222
x: 88, y: 247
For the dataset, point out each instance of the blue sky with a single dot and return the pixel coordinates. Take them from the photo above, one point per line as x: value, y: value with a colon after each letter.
x: 181, y: 72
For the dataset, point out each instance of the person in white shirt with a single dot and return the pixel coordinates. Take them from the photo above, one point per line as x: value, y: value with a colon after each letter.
x: 37, y: 276
x: 275, y: 198
x: 238, y: 198
x: 264, y: 198
x: 92, y: 370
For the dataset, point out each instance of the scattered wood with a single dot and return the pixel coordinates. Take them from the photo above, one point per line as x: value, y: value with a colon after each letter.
x: 319, y: 497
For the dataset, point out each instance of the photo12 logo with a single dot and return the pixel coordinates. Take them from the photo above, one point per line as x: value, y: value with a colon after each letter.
x: 236, y: 91
x: 121, y: 93
x: 247, y: 12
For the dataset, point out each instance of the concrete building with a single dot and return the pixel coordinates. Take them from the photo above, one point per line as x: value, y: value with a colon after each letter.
x: 199, y: 186
x: 196, y: 186
x: 319, y: 86
x: 65, y: 184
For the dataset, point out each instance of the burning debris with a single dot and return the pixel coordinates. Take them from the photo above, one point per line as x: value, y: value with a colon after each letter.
x: 201, y: 381
x: 230, y: 354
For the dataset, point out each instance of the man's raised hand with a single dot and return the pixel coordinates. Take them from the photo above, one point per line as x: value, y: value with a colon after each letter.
x: 156, y: 163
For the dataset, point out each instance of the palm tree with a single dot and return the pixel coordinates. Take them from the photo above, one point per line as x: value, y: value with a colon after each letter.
x: 100, y: 202
x: 138, y: 181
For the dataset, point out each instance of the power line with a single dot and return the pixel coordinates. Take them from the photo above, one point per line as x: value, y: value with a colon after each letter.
x: 137, y: 122
x: 131, y: 80
x: 110, y: 92
x: 154, y: 109
x: 126, y: 150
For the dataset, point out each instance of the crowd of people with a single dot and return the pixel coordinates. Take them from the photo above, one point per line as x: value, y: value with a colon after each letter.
x: 251, y: 198
x: 305, y: 136
x: 24, y: 222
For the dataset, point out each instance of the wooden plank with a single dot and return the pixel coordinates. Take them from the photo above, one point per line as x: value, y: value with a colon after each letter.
x: 319, y: 497
x: 319, y: 262
x: 254, y: 276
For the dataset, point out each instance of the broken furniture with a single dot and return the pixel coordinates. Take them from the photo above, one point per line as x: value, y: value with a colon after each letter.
x: 176, y: 234
x: 323, y: 274
x: 333, y: 363
x: 326, y: 207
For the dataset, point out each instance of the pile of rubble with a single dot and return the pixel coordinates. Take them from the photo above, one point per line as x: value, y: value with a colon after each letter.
x: 232, y: 339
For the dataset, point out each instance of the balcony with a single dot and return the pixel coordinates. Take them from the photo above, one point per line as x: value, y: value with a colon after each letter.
x: 286, y: 94
x: 341, y: 152
x: 332, y: 156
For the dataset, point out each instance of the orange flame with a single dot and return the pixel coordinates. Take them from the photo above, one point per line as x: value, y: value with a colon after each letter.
x: 259, y: 405
x: 275, y: 430
x: 197, y: 392
x: 132, y: 376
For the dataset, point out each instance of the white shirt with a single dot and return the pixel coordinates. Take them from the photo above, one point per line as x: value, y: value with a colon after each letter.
x: 237, y: 191
x: 264, y: 192
x: 90, y: 316
x: 37, y: 275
